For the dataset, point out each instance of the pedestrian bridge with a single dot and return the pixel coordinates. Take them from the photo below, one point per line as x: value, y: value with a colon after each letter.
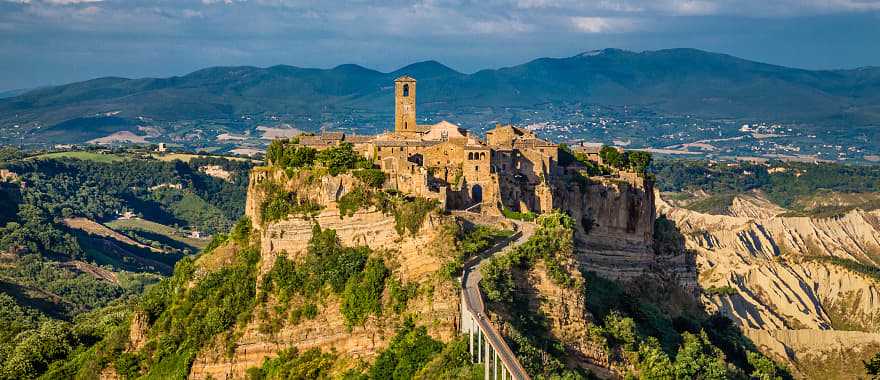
x: 485, y: 343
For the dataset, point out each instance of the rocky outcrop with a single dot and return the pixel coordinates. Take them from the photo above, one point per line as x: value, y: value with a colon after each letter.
x: 614, y: 224
x: 413, y: 258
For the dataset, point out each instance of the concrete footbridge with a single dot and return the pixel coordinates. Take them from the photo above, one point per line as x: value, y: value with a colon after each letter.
x: 485, y: 343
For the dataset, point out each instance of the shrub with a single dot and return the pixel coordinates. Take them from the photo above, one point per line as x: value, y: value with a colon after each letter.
x: 363, y: 293
x: 374, y: 178
x: 291, y: 364
x: 408, y: 352
x: 354, y: 200
x: 720, y: 291
x: 409, y: 214
x: 290, y: 155
x: 527, y: 216
x: 241, y: 232
x: 279, y: 203
x: 341, y: 158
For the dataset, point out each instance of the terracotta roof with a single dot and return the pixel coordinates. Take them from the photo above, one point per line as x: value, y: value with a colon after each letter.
x: 405, y: 78
x: 592, y: 149
x: 354, y: 139
x: 396, y: 143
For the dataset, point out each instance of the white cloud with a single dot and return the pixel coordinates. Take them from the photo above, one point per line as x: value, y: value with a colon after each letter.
x: 604, y: 24
x: 69, y: 2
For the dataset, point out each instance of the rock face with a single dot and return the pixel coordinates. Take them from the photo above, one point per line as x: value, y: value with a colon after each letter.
x: 614, y: 225
x: 414, y: 259
x: 772, y: 275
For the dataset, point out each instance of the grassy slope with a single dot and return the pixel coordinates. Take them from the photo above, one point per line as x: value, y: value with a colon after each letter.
x: 157, y: 228
x: 81, y: 155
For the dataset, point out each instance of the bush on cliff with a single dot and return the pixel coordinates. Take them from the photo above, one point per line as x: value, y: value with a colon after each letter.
x: 354, y: 200
x: 279, y: 203
x: 408, y: 352
x: 363, y: 293
x: 551, y: 243
x: 410, y: 213
x: 292, y: 364
x: 342, y: 158
x: 374, y: 178
x: 344, y: 271
x: 290, y: 155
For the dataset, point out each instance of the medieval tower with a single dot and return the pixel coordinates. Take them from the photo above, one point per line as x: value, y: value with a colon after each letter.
x: 405, y: 105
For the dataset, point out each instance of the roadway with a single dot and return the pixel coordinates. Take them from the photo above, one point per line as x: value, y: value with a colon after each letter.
x: 474, y: 299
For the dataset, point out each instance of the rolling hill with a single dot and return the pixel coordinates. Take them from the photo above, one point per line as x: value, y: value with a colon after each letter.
x: 674, y: 81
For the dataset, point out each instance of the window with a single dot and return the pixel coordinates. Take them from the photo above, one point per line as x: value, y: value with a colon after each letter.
x: 476, y: 168
x: 405, y: 90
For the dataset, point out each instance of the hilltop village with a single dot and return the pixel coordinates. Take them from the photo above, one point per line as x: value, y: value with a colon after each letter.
x: 512, y: 169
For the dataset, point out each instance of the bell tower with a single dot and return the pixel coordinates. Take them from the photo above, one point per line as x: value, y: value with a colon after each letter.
x: 405, y: 105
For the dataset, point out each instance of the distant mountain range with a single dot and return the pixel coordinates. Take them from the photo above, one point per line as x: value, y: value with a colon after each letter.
x: 674, y: 81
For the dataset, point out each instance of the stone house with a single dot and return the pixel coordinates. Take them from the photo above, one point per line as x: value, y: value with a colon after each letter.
x: 443, y: 161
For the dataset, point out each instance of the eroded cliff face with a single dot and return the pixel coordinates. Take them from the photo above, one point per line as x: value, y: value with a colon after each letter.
x: 412, y: 258
x: 771, y: 275
x: 614, y: 225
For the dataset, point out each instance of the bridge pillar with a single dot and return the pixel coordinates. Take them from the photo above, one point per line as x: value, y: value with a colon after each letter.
x: 486, y: 363
x: 495, y: 365
x: 471, y: 342
x: 479, y: 346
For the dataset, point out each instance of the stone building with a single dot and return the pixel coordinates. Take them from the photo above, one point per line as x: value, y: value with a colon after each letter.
x: 443, y: 161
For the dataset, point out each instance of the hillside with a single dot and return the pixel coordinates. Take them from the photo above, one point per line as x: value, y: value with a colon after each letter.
x: 802, y: 288
x: 75, y: 244
x: 676, y: 81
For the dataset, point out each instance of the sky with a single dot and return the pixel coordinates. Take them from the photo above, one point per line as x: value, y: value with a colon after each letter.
x: 46, y: 42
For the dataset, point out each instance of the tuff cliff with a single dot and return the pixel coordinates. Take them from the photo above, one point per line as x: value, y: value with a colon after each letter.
x: 785, y: 280
x: 412, y: 258
x: 614, y: 224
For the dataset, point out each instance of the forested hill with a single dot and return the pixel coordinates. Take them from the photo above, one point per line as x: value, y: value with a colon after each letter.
x: 86, y: 230
x: 680, y: 81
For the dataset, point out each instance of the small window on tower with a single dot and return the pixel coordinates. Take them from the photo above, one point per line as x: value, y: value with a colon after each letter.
x: 405, y: 90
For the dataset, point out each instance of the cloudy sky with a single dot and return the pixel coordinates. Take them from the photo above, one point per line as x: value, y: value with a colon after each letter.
x: 58, y: 41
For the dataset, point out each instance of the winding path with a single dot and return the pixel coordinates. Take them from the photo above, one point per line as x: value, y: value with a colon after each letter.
x: 472, y: 299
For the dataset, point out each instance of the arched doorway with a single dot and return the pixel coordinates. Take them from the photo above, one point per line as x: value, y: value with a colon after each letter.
x: 477, y: 193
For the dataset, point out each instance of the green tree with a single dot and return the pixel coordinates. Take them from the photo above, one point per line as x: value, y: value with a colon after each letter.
x: 872, y: 366
x: 654, y: 364
x: 697, y: 358
x: 612, y: 157
x: 340, y: 158
x: 639, y: 161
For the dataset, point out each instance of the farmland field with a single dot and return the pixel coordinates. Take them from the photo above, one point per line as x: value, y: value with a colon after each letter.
x: 156, y: 228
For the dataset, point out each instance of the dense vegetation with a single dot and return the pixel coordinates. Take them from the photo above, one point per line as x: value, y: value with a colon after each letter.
x: 784, y: 183
x: 651, y: 325
x: 636, y: 161
x: 327, y: 268
x: 656, y: 327
x: 337, y: 159
x: 278, y: 203
x: 66, y: 293
x: 551, y: 244
x: 471, y: 242
x: 411, y: 354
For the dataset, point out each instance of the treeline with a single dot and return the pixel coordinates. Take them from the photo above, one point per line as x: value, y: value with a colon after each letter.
x: 54, y: 189
x: 784, y: 184
x: 635, y: 161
